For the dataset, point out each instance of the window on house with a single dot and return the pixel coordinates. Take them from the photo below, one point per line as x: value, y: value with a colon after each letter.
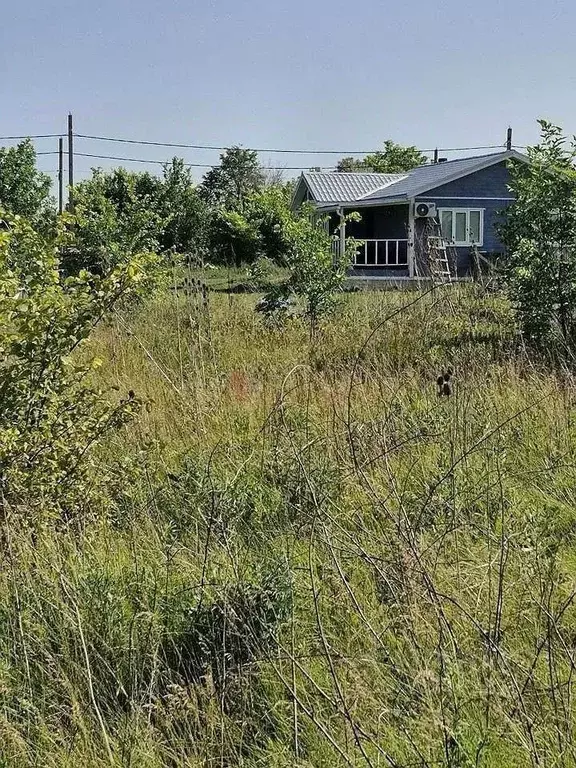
x: 464, y: 226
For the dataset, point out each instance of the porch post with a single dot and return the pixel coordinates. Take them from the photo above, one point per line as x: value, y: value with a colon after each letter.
x: 342, y: 241
x: 411, y: 238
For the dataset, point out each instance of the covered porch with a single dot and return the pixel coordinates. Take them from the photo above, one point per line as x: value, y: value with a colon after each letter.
x: 386, y: 249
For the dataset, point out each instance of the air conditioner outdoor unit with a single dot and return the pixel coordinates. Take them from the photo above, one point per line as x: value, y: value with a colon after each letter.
x: 425, y: 210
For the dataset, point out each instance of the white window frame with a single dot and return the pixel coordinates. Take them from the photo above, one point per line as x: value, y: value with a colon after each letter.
x: 467, y: 211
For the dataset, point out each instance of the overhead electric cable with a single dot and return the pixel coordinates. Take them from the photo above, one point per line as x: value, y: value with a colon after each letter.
x: 211, y: 147
x: 188, y: 165
x: 271, y: 151
x: 37, y: 136
x: 167, y: 162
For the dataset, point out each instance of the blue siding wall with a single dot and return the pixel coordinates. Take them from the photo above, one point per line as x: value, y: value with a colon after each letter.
x: 493, y: 215
x: 489, y: 183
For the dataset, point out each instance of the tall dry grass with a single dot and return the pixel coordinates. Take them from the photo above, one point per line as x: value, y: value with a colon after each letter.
x: 311, y: 559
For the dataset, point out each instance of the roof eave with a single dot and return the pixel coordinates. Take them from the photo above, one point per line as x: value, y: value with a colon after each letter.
x: 485, y: 163
x: 301, y: 180
x: 362, y: 203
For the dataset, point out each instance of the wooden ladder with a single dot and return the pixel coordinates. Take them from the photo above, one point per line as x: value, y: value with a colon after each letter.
x: 438, y: 258
x: 439, y: 254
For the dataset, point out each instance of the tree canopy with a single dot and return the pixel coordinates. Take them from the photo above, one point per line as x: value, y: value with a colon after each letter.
x: 540, y: 234
x: 122, y: 212
x: 24, y: 190
x: 116, y: 215
x: 236, y: 214
x: 230, y: 183
x: 393, y: 158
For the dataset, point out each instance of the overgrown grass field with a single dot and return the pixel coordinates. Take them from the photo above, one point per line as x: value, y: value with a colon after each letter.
x: 309, y: 558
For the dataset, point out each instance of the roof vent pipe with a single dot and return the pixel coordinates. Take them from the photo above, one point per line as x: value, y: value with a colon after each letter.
x: 509, y: 139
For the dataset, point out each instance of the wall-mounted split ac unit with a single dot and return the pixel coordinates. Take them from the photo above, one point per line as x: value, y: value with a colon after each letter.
x: 425, y: 210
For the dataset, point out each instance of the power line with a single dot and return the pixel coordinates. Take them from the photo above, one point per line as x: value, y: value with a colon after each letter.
x: 271, y: 151
x: 208, y: 165
x: 211, y: 147
x: 38, y: 136
x: 215, y: 148
x: 188, y: 165
x: 463, y: 149
x: 164, y: 162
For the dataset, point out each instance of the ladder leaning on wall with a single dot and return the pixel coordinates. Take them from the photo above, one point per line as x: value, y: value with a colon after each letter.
x: 437, y: 254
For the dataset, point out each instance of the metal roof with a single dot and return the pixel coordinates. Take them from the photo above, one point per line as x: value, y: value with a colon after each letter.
x: 336, y: 187
x: 332, y: 188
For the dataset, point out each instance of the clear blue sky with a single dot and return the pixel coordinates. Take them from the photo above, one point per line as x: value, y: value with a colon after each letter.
x: 303, y: 74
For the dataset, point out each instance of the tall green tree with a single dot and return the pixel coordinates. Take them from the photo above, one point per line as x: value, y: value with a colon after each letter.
x: 121, y: 212
x: 183, y: 210
x: 393, y: 158
x: 259, y: 230
x: 117, y: 214
x: 24, y: 190
x: 227, y: 190
x: 540, y: 234
x: 229, y: 184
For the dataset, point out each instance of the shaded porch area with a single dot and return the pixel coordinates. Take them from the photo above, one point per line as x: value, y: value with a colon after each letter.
x: 384, y: 250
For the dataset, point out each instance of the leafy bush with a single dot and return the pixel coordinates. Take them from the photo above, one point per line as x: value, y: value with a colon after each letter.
x: 234, y: 238
x: 119, y: 213
x: 51, y: 415
x: 115, y: 217
x: 184, y: 213
x: 317, y: 267
x: 252, y: 228
x: 540, y: 233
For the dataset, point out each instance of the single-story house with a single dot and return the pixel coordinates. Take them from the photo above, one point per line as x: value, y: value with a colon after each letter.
x: 464, y: 198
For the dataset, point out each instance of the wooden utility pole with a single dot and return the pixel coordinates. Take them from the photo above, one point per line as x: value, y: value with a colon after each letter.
x: 60, y: 174
x: 509, y: 139
x: 70, y: 162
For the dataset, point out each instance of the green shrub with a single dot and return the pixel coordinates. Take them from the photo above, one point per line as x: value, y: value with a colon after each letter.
x: 52, y: 414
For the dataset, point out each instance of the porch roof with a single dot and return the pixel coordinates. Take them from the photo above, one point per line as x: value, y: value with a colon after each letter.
x: 331, y: 188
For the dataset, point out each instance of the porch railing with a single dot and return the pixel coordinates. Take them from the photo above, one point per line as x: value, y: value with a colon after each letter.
x: 382, y: 253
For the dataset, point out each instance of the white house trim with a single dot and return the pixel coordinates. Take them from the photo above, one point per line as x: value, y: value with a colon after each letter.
x: 463, y: 197
x: 411, y: 253
x: 455, y: 210
x: 342, y: 234
x: 352, y: 206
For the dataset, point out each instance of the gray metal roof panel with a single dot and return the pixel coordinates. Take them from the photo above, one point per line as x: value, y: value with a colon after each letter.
x: 334, y: 187
x: 368, y: 188
x: 434, y: 175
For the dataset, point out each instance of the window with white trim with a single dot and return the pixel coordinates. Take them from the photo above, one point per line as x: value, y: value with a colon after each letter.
x: 463, y: 226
